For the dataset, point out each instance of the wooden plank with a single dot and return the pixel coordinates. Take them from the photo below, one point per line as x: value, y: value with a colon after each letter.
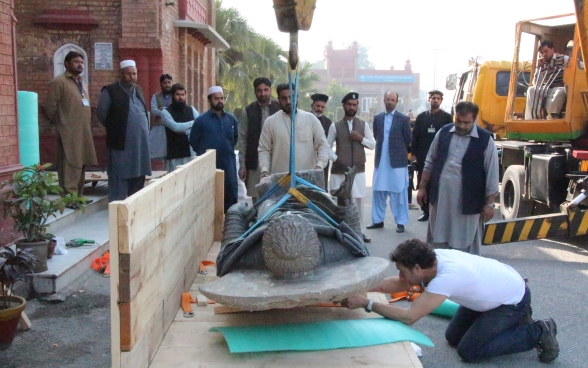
x: 162, y: 236
x: 115, y: 327
x: 219, y: 205
x: 24, y: 323
x: 161, y: 259
x: 144, y: 211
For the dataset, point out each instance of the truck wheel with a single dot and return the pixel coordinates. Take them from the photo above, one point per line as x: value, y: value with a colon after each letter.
x: 512, y: 204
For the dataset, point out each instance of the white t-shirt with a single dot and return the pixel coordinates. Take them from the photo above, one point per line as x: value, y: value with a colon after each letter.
x: 475, y: 282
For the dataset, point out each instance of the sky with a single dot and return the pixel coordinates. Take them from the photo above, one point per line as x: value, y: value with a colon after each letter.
x: 454, y: 30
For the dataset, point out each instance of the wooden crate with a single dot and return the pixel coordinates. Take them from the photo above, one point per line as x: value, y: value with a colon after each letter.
x: 158, y: 237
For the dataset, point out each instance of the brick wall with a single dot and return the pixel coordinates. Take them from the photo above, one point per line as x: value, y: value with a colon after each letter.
x: 9, y: 156
x: 140, y: 29
x: 8, y: 126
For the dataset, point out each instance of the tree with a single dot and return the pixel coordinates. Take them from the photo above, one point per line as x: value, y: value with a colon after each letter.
x: 251, y: 55
x: 363, y: 60
x: 336, y: 91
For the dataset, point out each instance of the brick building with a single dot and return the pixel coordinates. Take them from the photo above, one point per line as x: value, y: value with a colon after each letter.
x: 175, y: 37
x: 342, y: 66
x: 9, y: 155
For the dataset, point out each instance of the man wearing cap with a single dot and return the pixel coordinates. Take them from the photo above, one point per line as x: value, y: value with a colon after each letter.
x: 159, y: 101
x: 312, y: 149
x: 217, y: 129
x: 393, y: 136
x: 68, y: 108
x: 427, y: 124
x: 123, y: 111
x: 352, y: 135
x: 250, y: 126
x: 319, y: 103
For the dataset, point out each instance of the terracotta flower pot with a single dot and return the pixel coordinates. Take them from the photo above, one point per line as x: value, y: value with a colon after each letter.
x: 39, y: 250
x: 51, y: 248
x: 9, y: 318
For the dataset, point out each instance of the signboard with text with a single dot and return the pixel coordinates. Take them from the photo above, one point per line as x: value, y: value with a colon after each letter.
x: 103, y: 56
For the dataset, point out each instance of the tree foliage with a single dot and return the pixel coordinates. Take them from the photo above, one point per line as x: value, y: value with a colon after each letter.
x: 251, y: 55
x: 336, y: 91
x: 363, y: 60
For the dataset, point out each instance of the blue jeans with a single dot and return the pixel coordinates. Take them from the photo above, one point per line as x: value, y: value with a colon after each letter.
x: 499, y: 331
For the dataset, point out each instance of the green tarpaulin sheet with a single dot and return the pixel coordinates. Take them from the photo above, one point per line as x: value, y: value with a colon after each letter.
x: 319, y: 336
x: 447, y: 308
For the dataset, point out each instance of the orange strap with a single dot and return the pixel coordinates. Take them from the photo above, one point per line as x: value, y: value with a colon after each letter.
x: 187, y: 298
x: 410, y: 295
x: 102, y: 264
x: 203, y: 264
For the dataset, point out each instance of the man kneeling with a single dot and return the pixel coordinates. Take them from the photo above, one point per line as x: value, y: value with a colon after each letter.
x: 494, y: 317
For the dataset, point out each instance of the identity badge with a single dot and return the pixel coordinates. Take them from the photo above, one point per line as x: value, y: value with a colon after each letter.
x: 85, y: 102
x: 431, y: 130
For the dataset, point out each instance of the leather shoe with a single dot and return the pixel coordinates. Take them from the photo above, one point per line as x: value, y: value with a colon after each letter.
x: 423, y: 217
x: 379, y: 225
x: 399, y: 228
x: 366, y: 239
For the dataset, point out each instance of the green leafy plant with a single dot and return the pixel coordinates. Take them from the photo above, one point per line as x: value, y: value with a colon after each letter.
x: 27, y: 201
x: 13, y: 267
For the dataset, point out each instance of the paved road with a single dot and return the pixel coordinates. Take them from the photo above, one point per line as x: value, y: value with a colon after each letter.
x: 76, y: 333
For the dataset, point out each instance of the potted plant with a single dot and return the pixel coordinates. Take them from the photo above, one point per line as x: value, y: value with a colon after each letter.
x: 33, y: 195
x: 14, y: 264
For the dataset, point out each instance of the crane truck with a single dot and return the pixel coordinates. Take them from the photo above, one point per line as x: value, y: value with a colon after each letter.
x: 544, y: 158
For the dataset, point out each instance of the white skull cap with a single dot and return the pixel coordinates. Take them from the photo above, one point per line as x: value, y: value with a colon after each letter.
x: 126, y: 63
x: 215, y: 89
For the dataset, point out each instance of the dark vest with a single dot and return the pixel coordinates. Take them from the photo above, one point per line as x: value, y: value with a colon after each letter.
x: 253, y: 111
x: 178, y: 145
x: 326, y: 123
x: 473, y: 175
x: 349, y: 153
x: 116, y: 119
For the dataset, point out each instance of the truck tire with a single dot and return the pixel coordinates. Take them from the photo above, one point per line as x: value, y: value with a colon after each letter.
x: 512, y: 204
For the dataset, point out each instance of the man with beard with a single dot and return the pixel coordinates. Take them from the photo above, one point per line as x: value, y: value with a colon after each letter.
x: 68, y: 108
x: 250, y: 126
x: 319, y: 103
x: 178, y: 118
x: 462, y: 170
x: 122, y: 110
x: 393, y: 136
x: 312, y: 149
x: 352, y: 135
x: 159, y: 101
x: 427, y: 124
x: 218, y: 130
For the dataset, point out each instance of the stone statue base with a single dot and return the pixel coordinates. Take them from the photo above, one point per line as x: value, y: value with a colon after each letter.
x: 256, y: 290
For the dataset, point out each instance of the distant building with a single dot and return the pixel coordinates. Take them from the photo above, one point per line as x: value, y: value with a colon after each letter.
x: 175, y: 37
x: 342, y: 66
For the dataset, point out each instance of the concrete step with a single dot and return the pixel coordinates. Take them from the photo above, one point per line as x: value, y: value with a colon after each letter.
x: 64, y: 271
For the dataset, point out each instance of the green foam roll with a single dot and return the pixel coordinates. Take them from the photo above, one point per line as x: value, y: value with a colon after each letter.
x: 28, y: 128
x: 319, y: 335
x: 446, y: 309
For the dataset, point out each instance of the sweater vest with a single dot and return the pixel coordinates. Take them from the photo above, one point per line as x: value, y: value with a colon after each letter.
x: 116, y: 119
x: 178, y: 145
x: 160, y: 105
x: 473, y: 175
x: 253, y: 111
x: 349, y: 153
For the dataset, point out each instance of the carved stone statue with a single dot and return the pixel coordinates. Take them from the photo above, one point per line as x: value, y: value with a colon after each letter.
x: 294, y: 243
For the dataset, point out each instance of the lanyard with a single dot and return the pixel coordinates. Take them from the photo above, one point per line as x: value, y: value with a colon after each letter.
x: 81, y: 87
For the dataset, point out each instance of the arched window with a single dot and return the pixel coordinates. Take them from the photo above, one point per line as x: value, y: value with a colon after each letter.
x: 59, y: 68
